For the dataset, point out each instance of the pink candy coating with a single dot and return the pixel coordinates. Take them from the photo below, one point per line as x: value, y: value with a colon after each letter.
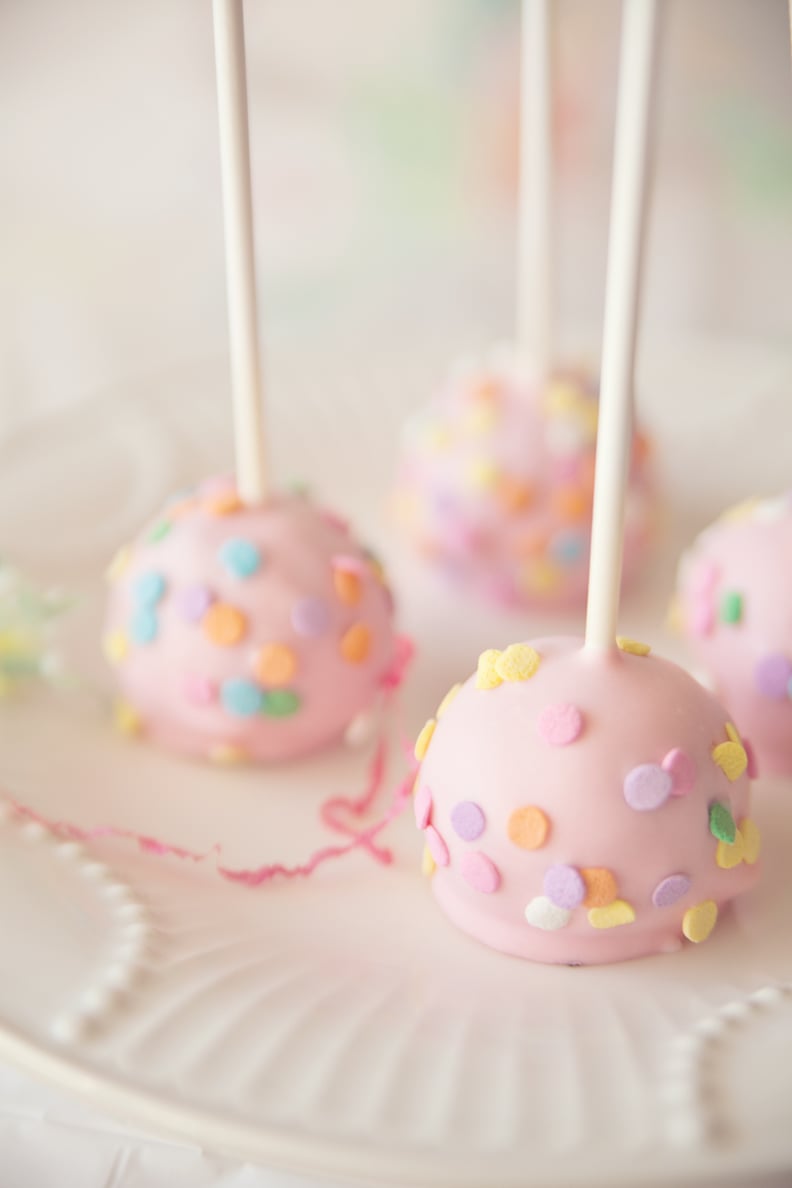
x: 638, y: 710
x: 495, y: 485
x: 236, y: 639
x: 734, y: 593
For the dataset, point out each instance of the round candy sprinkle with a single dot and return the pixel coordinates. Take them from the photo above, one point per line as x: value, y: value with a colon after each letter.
x: 728, y: 856
x: 126, y: 719
x: 528, y: 827
x: 144, y: 626
x: 437, y: 847
x: 149, y: 588
x: 468, y: 820
x: 699, y: 921
x: 449, y: 697
x: 224, y: 624
x: 559, y: 725
x: 721, y: 823
x: 227, y: 503
x: 682, y: 770
x: 281, y: 703
x: 310, y: 616
x: 613, y: 916
x: 632, y: 646
x: 115, y: 646
x: 731, y: 757
x: 486, y: 675
x: 159, y: 531
x: 752, y: 840
x: 480, y: 872
x: 227, y: 756
x: 564, y: 886
x: 192, y: 602
x: 424, y: 738
x: 274, y: 664
x: 772, y: 676
x: 348, y: 586
x: 241, y: 697
x: 428, y: 864
x: 198, y: 690
x: 422, y: 806
x: 356, y: 643
x: 518, y: 662
x: 119, y: 564
x: 647, y: 787
x: 240, y: 557
x: 670, y: 889
x: 601, y: 886
x: 541, y: 913
x: 731, y: 607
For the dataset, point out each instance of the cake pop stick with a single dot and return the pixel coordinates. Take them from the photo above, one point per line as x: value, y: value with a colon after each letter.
x: 229, y: 32
x: 534, y: 281
x: 621, y: 316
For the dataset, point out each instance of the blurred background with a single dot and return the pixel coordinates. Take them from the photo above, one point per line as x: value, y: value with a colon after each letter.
x: 384, y: 153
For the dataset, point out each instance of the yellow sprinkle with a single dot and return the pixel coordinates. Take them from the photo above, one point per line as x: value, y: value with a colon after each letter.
x: 115, y: 646
x: 428, y: 864
x: 423, y: 740
x: 416, y: 783
x: 449, y: 697
x: 730, y: 756
x: 119, y: 563
x: 613, y: 916
x: 227, y: 755
x: 126, y: 719
x: 561, y: 399
x: 741, y: 511
x: 480, y: 418
x: 675, y: 618
x: 752, y: 840
x: 699, y: 921
x: 541, y: 577
x: 632, y: 646
x: 518, y: 663
x: 487, y: 676
x: 437, y: 438
x: 727, y: 855
x: 482, y: 475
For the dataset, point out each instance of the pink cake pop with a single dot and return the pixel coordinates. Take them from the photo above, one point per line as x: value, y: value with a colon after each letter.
x: 582, y: 801
x: 733, y: 607
x: 258, y: 633
x: 496, y: 481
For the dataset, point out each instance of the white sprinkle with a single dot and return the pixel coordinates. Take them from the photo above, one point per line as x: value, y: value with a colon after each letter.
x: 69, y: 850
x: 68, y: 1029
x: 32, y: 831
x: 94, y: 870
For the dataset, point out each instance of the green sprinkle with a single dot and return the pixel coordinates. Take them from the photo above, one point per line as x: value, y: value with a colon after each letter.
x: 721, y: 823
x: 280, y: 703
x: 159, y: 531
x: 731, y: 607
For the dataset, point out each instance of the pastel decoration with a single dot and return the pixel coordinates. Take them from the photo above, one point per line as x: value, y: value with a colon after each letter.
x: 730, y: 854
x: 682, y: 770
x: 479, y: 872
x: 198, y: 690
x: 241, y: 698
x: 752, y: 840
x: 225, y: 625
x: 519, y: 662
x: 730, y: 756
x: 647, y: 787
x: 487, y: 675
x: 356, y: 643
x: 632, y: 646
x: 614, y: 915
x: 144, y: 626
x: 192, y: 602
x: 424, y: 738
x: 564, y: 886
x: 444, y: 704
x: 437, y: 847
x: 601, y: 886
x: 422, y: 805
x: 699, y: 921
x: 311, y: 616
x: 280, y: 703
x: 559, y: 725
x: 721, y: 823
x: 428, y: 864
x: 149, y: 588
x: 275, y: 664
x: 115, y: 646
x: 670, y: 889
x: 542, y: 913
x: 528, y: 828
x: 467, y: 820
x: 240, y: 557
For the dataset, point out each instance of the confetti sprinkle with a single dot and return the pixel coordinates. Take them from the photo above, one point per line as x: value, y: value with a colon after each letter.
x: 449, y: 697
x: 241, y: 697
x: 437, y: 847
x: 728, y: 856
x: 224, y: 625
x: 424, y: 738
x: 199, y: 690
x: 519, y: 662
x: 144, y: 626
x: 422, y: 806
x: 149, y: 588
x: 115, y: 646
x: 486, y: 675
x: 275, y: 664
x: 721, y: 823
x: 119, y: 564
x: 126, y: 719
x: 193, y: 602
x: 632, y: 646
x: 730, y: 756
x: 468, y: 820
x: 670, y: 889
x: 528, y: 827
x: 227, y: 503
x: 240, y: 557
x: 428, y: 864
x: 731, y: 607
x: 601, y: 886
x: 564, y: 886
x: 226, y: 755
x: 159, y: 531
x: 348, y: 586
x: 647, y: 787
x: 480, y: 872
x: 752, y: 840
x: 613, y: 916
x: 281, y: 703
x: 559, y: 725
x: 541, y: 913
x: 699, y: 921
x: 356, y: 643
x: 682, y: 770
x: 310, y: 616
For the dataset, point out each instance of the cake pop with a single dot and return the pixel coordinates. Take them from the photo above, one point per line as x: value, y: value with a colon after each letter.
x: 245, y: 624
x: 583, y: 801
x: 732, y: 606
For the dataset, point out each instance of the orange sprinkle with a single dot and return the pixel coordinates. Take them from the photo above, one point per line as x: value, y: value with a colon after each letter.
x: 348, y: 586
x: 570, y: 503
x: 224, y: 505
x: 601, y: 886
x: 533, y: 543
x: 274, y: 664
x: 513, y: 495
x: 224, y: 624
x: 486, y: 390
x: 356, y: 643
x: 528, y: 827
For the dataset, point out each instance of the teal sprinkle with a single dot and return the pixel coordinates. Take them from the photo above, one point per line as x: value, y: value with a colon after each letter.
x: 731, y: 607
x: 280, y: 703
x: 721, y: 823
x: 159, y: 531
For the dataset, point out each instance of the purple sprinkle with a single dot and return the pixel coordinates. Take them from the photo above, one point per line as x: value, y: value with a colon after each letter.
x: 564, y: 886
x: 310, y: 616
x: 468, y: 820
x: 669, y: 890
x: 772, y: 676
x: 647, y: 787
x: 193, y: 602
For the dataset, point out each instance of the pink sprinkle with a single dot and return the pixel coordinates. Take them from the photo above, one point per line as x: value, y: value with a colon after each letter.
x: 481, y: 873
x: 348, y: 564
x: 702, y: 618
x: 437, y: 847
x: 559, y: 725
x: 682, y: 770
x: 199, y: 690
x: 334, y: 520
x: 423, y: 806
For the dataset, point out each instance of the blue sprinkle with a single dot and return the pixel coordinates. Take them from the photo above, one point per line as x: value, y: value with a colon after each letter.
x: 149, y: 588
x: 144, y: 625
x: 240, y: 557
x: 567, y: 548
x: 242, y: 698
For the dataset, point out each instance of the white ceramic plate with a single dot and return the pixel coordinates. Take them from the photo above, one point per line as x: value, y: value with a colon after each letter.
x: 339, y: 1025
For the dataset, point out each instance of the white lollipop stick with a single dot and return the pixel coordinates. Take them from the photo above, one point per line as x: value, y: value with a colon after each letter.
x: 534, y: 233
x: 229, y: 32
x: 614, y: 436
